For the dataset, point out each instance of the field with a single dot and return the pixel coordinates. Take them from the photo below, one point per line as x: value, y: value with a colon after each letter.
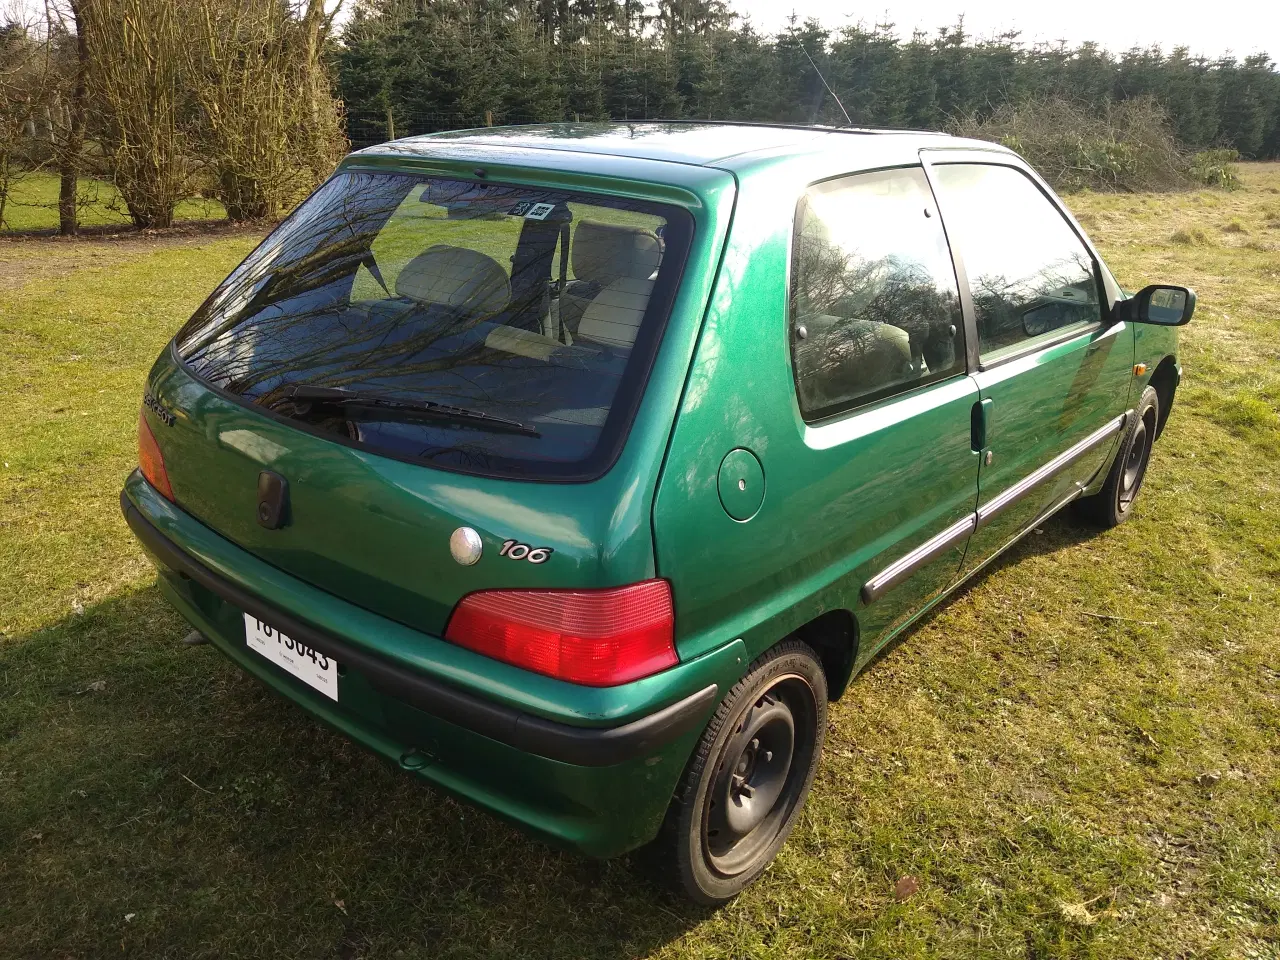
x: 1075, y: 757
x: 33, y: 205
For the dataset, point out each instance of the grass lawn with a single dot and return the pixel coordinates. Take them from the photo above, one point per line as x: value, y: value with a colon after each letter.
x: 1076, y: 757
x: 33, y: 205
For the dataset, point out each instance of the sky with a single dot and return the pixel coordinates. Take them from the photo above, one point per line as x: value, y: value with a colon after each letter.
x: 1250, y: 27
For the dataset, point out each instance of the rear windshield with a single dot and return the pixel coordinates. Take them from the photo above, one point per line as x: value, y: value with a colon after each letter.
x: 474, y: 326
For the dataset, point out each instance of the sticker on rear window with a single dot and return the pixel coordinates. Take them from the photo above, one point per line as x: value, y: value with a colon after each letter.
x: 532, y: 211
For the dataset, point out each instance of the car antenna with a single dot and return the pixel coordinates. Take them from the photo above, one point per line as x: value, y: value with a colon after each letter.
x: 827, y: 85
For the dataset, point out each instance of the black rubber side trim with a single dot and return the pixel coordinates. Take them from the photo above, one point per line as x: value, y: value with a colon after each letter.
x: 581, y: 746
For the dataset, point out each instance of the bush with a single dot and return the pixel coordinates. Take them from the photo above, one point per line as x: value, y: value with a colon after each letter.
x: 267, y: 125
x: 227, y: 98
x: 136, y: 82
x: 1216, y: 168
x: 1126, y: 146
x: 1190, y: 237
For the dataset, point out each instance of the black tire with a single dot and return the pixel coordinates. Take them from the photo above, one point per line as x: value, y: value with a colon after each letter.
x: 747, y: 780
x: 1113, y: 504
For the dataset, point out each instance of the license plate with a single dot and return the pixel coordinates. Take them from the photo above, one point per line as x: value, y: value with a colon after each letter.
x: 307, y: 664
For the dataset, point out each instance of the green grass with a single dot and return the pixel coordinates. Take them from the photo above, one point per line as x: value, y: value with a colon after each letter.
x: 32, y: 204
x: 1076, y: 757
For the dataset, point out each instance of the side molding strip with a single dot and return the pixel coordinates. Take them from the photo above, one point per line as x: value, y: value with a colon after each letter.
x: 997, y: 505
x: 930, y: 550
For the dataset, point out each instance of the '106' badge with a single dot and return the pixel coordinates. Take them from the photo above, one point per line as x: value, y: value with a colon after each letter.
x: 515, y: 550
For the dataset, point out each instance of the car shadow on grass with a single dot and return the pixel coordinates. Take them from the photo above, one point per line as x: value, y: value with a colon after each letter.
x: 158, y: 800
x: 1063, y: 530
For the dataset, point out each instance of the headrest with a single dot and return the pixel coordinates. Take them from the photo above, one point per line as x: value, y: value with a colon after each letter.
x: 455, y: 277
x: 605, y: 252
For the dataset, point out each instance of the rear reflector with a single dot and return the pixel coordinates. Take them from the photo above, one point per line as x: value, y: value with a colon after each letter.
x: 149, y: 459
x: 599, y: 638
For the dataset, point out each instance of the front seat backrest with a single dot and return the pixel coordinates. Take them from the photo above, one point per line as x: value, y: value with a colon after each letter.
x: 455, y: 277
x: 605, y: 252
x: 620, y: 261
x: 614, y: 316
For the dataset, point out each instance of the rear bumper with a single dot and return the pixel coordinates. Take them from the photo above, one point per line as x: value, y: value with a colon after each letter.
x: 597, y: 788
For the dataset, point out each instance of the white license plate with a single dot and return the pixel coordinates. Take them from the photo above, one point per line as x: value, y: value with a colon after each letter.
x: 310, y: 666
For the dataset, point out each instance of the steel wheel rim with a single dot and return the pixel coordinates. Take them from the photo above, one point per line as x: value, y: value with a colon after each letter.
x: 759, y: 777
x: 1135, y: 466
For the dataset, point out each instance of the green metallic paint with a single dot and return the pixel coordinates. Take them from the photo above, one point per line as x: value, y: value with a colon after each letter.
x: 416, y: 650
x: 1042, y: 403
x: 689, y: 143
x: 366, y: 557
x: 598, y: 811
x: 601, y: 811
x: 375, y: 531
x: 740, y: 483
x: 845, y: 497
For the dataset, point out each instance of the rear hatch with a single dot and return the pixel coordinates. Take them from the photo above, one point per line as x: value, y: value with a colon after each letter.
x: 412, y: 353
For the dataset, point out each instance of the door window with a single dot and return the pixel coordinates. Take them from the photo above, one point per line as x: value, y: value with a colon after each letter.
x: 874, y: 305
x: 1030, y: 275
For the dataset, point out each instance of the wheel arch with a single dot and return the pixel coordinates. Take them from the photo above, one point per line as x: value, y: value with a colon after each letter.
x: 834, y: 638
x: 1165, y: 383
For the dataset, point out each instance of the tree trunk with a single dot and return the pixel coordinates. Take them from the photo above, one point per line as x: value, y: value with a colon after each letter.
x: 69, y: 160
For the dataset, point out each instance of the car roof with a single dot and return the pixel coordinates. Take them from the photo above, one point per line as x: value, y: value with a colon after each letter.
x: 699, y: 143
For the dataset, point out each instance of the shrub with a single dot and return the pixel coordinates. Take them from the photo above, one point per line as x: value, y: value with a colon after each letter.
x: 228, y: 98
x: 1216, y: 168
x: 267, y: 124
x: 136, y: 85
x: 1125, y: 146
x: 1193, y: 237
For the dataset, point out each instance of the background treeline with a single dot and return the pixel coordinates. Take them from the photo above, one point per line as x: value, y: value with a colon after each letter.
x: 411, y: 66
x: 251, y: 102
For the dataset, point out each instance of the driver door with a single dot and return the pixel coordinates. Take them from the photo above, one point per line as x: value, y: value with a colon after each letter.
x: 1053, y: 372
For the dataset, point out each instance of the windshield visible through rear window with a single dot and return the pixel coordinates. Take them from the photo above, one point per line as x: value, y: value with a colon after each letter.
x: 475, y: 326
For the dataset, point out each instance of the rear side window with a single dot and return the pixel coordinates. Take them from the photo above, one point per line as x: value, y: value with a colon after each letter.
x: 1030, y: 275
x: 874, y: 305
x: 480, y: 327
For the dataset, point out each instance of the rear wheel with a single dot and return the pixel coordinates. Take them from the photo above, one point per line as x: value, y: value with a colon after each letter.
x: 748, y: 778
x: 1113, y: 504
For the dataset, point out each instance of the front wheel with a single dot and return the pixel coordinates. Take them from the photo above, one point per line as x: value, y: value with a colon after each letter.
x: 1113, y: 504
x: 743, y: 788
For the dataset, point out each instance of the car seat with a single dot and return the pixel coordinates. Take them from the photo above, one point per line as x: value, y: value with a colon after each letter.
x: 455, y: 277
x: 614, y: 266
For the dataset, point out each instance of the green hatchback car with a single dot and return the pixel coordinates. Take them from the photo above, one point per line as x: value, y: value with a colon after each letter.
x: 575, y: 468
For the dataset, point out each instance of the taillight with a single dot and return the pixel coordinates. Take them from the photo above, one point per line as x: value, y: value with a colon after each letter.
x: 149, y: 458
x: 599, y: 638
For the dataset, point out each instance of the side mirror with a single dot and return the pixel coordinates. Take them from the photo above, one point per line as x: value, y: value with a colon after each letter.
x: 1041, y: 319
x: 1159, y: 304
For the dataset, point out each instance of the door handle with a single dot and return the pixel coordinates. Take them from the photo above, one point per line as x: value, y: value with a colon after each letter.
x: 979, y: 424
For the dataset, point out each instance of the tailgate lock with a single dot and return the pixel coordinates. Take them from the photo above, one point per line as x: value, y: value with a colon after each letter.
x: 466, y: 546
x: 273, y: 500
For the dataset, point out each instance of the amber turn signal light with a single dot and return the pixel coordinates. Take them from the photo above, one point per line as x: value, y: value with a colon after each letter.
x: 150, y: 460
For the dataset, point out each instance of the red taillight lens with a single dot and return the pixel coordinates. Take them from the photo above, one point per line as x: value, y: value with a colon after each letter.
x: 149, y: 458
x: 599, y: 638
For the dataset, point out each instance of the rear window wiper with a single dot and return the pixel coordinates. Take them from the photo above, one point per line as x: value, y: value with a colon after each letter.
x: 373, y: 406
